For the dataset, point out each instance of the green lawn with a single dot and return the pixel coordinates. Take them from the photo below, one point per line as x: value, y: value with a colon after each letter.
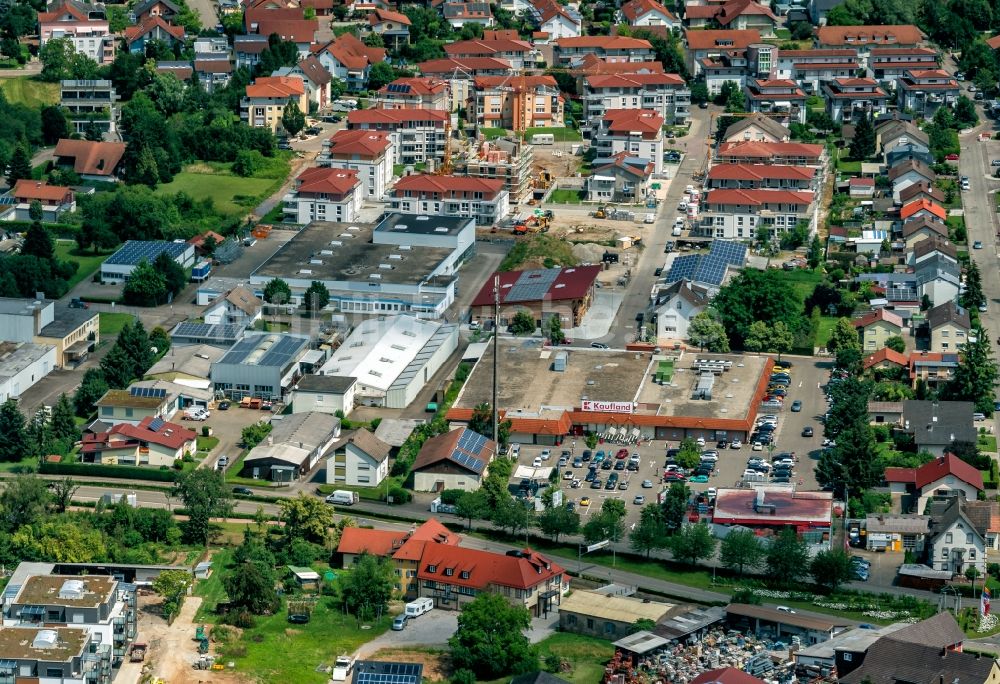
x: 566, y: 196
x: 489, y: 133
x: 400, y: 169
x: 87, y: 262
x: 231, y: 194
x: 211, y: 590
x: 29, y: 92
x: 587, y: 655
x: 112, y: 323
x: 560, y: 134
x: 207, y: 443
x: 987, y: 443
x: 366, y: 493
x: 826, y: 324
x: 802, y: 281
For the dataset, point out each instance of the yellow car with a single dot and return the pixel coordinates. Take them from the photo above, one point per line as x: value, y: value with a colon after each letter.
x: 585, y: 501
x: 780, y: 369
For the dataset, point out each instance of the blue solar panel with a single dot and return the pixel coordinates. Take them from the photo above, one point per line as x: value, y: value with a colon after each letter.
x: 156, y: 392
x: 371, y: 672
x: 466, y: 460
x: 683, y: 268
x: 134, y: 251
x: 733, y: 253
x: 156, y: 424
x: 711, y: 269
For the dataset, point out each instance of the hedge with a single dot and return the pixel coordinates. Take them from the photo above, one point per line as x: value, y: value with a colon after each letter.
x: 101, y: 470
x: 62, y: 230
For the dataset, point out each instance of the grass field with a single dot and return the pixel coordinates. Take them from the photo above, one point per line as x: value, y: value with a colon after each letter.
x: 587, y: 655
x: 535, y: 248
x: 88, y: 263
x: 802, y: 281
x: 29, y: 92
x: 231, y: 194
x: 826, y: 324
x: 560, y: 134
x: 489, y: 133
x: 566, y: 196
x: 112, y: 323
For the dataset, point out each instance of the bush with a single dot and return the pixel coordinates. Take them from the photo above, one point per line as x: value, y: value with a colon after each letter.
x: 400, y: 495
x: 100, y: 470
x: 451, y: 496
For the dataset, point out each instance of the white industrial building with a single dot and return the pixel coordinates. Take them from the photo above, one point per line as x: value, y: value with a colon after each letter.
x: 324, y: 394
x: 392, y: 358
x: 22, y: 364
x: 262, y: 365
x: 119, y: 266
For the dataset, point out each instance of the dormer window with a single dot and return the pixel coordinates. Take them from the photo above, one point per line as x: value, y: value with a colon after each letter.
x: 449, y: 572
x: 432, y: 568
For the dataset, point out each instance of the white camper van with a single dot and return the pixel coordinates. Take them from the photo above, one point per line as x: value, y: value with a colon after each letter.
x: 419, y: 607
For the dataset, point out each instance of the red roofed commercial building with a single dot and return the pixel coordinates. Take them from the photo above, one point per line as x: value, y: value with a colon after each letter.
x: 430, y: 562
x: 415, y: 93
x: 639, y: 132
x: 713, y: 43
x: 55, y: 199
x: 483, y: 199
x: 608, y: 48
x: 370, y: 153
x: 566, y: 292
x: 739, y: 214
x: 761, y: 177
x: 781, y: 98
x: 424, y: 130
x: 350, y: 60
x: 924, y: 91
x: 773, y: 508
x: 153, y: 442
x: 86, y: 26
x: 790, y: 153
x: 519, y: 54
x: 267, y: 97
x: 517, y: 102
x: 324, y: 194
x: 666, y: 94
x: 851, y: 99
x: 639, y: 13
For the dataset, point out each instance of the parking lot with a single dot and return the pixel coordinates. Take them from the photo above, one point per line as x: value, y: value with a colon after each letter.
x: 806, y: 375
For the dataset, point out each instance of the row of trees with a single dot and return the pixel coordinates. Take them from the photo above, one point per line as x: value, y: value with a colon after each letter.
x: 35, y: 267
x: 152, y: 284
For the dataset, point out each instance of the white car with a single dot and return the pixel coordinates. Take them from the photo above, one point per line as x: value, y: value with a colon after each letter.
x: 537, y: 463
x: 736, y: 444
x: 575, y: 484
x: 757, y: 446
x: 567, y: 474
x: 711, y: 492
x: 701, y: 441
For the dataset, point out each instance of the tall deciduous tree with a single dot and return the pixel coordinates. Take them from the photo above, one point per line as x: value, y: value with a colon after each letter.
x: 38, y: 242
x: 753, y: 296
x: 277, y: 291
x: 557, y: 521
x: 693, y: 543
x: 675, y: 506
x: 788, y: 557
x: 471, y: 505
x: 306, y: 517
x: 24, y: 500
x: 831, y: 568
x: 368, y: 588
x: 205, y: 496
x: 145, y: 287
x: 292, y: 119
x: 740, y: 550
x: 523, y: 323
x: 843, y: 334
x: 650, y: 533
x: 708, y: 333
x: 490, y: 639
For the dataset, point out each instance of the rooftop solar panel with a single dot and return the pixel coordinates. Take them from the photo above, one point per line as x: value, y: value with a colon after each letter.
x: 156, y: 424
x: 134, y: 251
x: 711, y: 269
x: 683, y: 268
x: 733, y: 253
x: 372, y: 672
x: 207, y: 331
x: 157, y: 392
x: 532, y: 285
x: 282, y: 351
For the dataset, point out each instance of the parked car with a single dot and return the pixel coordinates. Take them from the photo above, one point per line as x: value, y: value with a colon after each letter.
x: 621, y: 453
x: 736, y: 444
x: 796, y: 406
x: 647, y: 484
x: 639, y: 500
x: 242, y: 491
x: 223, y: 406
x: 978, y: 244
x: 585, y: 501
x: 399, y: 623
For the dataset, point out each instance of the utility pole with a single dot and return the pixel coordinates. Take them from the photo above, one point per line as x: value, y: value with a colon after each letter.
x: 496, y: 343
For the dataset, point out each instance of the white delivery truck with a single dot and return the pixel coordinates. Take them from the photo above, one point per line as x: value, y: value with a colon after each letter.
x: 342, y: 497
x: 419, y: 607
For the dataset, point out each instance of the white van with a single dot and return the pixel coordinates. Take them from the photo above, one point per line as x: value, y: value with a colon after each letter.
x: 650, y: 218
x: 418, y: 607
x: 543, y: 139
x: 676, y: 231
x: 343, y: 497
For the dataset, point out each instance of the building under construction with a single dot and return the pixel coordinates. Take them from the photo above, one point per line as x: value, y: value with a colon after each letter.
x: 502, y: 159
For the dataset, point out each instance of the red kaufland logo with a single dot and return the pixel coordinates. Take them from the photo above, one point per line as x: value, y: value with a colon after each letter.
x: 608, y: 406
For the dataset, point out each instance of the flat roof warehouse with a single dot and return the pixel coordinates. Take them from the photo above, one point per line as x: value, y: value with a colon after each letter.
x: 600, y: 388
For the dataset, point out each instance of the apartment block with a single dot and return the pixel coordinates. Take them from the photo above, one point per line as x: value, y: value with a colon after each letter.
x: 638, y: 132
x: 267, y: 97
x: 666, y: 94
x: 742, y: 214
x: 812, y: 68
x: 324, y: 194
x: 370, y: 153
x: 418, y: 135
x: 487, y: 201
x: 461, y: 73
x: 519, y: 54
x: 924, y: 91
x: 849, y: 100
x: 67, y: 655
x: 415, y: 93
x: 761, y: 177
x: 888, y: 64
x: 782, y: 99
x: 90, y: 101
x: 85, y: 25
x: 517, y: 102
x: 608, y: 48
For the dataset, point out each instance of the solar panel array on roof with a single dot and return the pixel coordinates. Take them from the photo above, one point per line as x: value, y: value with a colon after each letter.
x: 683, y: 268
x: 901, y: 292
x: 134, y: 251
x: 388, y: 673
x: 156, y: 392
x: 207, y: 331
x: 699, y: 268
x: 398, y: 88
x: 156, y: 424
x: 470, y: 445
x: 531, y: 286
x: 712, y: 269
x: 733, y: 253
x: 282, y: 352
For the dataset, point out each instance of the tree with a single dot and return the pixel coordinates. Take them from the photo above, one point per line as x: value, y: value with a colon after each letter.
x: 13, y: 439
x: 35, y: 211
x: 247, y: 163
x: 973, y: 296
x: 91, y: 388
x: 831, y: 568
x: 689, y: 454
x: 471, y: 505
x: 481, y: 422
x: 116, y: 368
x: 965, y: 112
x: 555, y: 332
x: 650, y: 534
x: 774, y: 339
x: 20, y: 164
x: 975, y: 377
x: 146, y: 286
x: 849, y: 360
x: 306, y: 517
x: 523, y: 323
x: 205, y: 496
x: 38, y: 242
x: 708, y: 333
x: 607, y: 524
x: 56, y: 56
x: 787, y: 557
x: 815, y: 254
x: 802, y: 30
x: 557, y: 521
x: 62, y: 493
x: 843, y: 334
x: 380, y: 74
x: 159, y: 340
x: 368, y: 588
x: 254, y: 434
x: 741, y: 550
x: 755, y: 296
x: 135, y: 343
x: 675, y: 505
x: 174, y: 277
x: 490, y: 638
x: 693, y: 543
x: 62, y: 423
x: 510, y: 514
x: 24, y: 500
x: 896, y: 343
x: 292, y: 119
x: 251, y: 586
x: 863, y: 143
x: 277, y: 291
x: 316, y: 297
x: 699, y: 92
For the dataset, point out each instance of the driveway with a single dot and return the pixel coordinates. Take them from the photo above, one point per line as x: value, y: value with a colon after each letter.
x: 430, y: 629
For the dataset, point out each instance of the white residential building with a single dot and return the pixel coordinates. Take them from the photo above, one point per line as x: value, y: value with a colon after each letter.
x: 324, y: 394
x: 640, y: 13
x: 484, y: 199
x: 665, y: 94
x: 741, y: 214
x: 370, y: 153
x: 324, y: 194
x: 418, y: 135
x: 362, y: 460
x: 676, y: 306
x: 639, y: 132
x: 240, y: 306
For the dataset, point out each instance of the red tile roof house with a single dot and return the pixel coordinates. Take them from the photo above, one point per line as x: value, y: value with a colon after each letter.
x: 620, y: 177
x: 324, y: 194
x: 774, y: 96
x: 85, y: 25
x: 639, y: 13
x: 350, y: 60
x: 519, y: 54
x: 152, y: 28
x: 609, y: 48
x: 666, y: 94
x: 636, y: 131
x: 790, y: 153
x: 153, y: 442
x: 946, y: 473
x: 314, y: 76
x: 735, y: 14
x: 394, y: 27
x: 875, y: 327
x: 93, y: 161
x: 370, y: 153
x: 424, y: 128
x: 484, y: 199
x: 569, y: 295
x: 414, y: 93
x: 886, y: 359
x: 55, y: 199
x: 861, y: 187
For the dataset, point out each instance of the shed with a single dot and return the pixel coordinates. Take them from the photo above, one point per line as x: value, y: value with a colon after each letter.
x: 306, y: 578
x: 641, y: 643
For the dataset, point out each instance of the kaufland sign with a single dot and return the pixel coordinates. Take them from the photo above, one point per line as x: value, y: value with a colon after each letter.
x: 608, y: 406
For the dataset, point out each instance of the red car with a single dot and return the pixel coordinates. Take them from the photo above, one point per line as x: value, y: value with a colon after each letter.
x: 671, y: 475
x: 621, y: 453
x: 951, y: 157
